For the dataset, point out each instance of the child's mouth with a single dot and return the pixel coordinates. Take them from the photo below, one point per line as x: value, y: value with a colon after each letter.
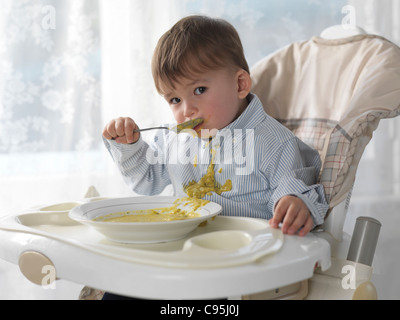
x: 198, y: 127
x: 188, y: 125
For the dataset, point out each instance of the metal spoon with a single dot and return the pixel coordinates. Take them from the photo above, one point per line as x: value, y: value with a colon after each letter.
x: 191, y: 124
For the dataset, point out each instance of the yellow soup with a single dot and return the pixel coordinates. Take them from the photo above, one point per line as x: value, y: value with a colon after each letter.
x: 172, y: 213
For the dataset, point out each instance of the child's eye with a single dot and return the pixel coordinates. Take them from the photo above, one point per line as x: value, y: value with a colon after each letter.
x: 200, y: 90
x: 175, y: 100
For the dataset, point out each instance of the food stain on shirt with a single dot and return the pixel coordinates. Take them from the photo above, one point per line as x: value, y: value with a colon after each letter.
x: 207, y: 184
x: 195, y: 161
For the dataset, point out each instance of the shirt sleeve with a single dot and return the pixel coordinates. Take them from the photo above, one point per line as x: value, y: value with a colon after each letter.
x: 293, y: 171
x: 144, y: 173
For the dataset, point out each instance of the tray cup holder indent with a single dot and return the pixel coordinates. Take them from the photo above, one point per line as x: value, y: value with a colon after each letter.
x: 222, y: 240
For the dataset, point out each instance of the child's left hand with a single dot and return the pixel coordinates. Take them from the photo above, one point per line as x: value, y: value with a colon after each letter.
x: 294, y: 215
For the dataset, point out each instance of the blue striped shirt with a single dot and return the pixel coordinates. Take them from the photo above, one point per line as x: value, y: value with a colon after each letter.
x: 263, y: 159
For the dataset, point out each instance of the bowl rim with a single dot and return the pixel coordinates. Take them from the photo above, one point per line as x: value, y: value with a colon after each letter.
x: 77, y: 212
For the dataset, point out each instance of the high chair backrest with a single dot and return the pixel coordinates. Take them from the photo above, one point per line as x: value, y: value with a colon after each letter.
x: 332, y: 95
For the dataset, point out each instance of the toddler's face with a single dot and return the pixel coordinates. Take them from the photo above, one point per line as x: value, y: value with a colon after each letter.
x: 212, y: 95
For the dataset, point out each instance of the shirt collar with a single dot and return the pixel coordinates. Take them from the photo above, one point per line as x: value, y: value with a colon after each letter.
x: 252, y: 116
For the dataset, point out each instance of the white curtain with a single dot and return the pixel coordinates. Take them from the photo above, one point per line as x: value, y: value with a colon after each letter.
x: 377, y: 188
x: 129, y: 33
x: 49, y: 100
x: 69, y: 66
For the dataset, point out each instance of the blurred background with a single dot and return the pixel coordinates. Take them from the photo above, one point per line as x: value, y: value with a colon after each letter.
x: 68, y: 67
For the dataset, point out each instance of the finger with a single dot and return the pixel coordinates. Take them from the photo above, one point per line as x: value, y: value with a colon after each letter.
x: 307, y: 227
x: 109, y: 130
x: 120, y: 127
x: 106, y: 135
x: 298, y: 222
x: 279, y: 213
x: 130, y: 126
x: 291, y: 216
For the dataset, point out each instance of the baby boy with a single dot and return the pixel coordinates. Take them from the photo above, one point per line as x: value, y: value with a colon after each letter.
x: 200, y: 69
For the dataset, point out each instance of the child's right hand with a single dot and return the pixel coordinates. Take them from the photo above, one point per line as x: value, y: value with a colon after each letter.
x: 121, y: 130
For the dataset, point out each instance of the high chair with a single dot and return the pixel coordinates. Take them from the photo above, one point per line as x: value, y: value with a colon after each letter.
x: 332, y: 95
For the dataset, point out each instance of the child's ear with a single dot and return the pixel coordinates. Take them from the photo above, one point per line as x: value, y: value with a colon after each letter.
x: 244, y: 83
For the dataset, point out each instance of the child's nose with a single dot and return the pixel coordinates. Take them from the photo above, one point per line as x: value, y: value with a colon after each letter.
x: 189, y: 110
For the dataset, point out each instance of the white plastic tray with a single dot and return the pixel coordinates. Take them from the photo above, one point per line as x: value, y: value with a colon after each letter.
x: 227, y: 257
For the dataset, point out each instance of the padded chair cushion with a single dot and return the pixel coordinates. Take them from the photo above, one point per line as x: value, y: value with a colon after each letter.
x: 332, y: 95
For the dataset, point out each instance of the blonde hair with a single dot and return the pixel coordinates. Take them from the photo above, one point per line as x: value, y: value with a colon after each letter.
x: 193, y: 45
